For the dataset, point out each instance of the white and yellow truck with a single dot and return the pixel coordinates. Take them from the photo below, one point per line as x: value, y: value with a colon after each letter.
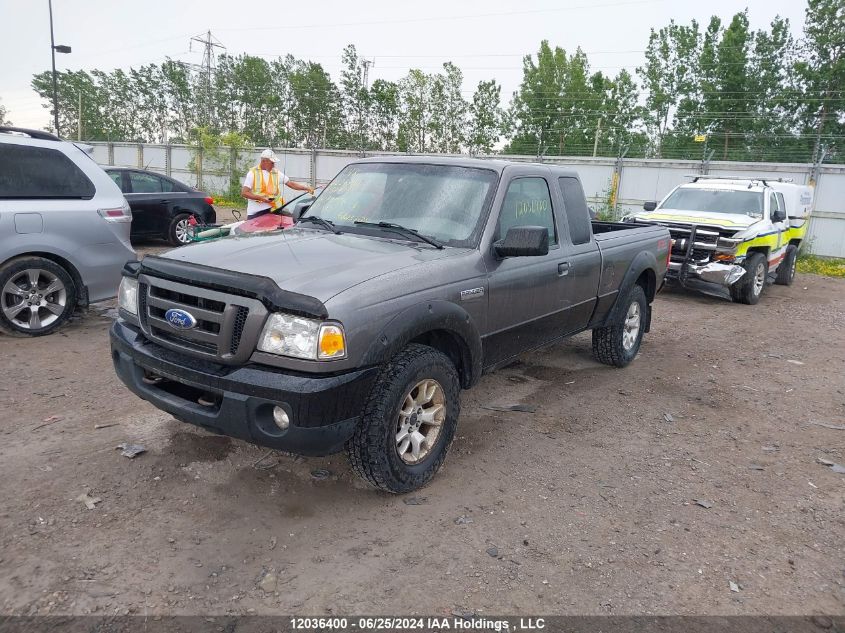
x: 735, y: 233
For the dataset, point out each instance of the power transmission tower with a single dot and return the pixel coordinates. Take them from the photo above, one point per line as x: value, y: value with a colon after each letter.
x: 206, y: 69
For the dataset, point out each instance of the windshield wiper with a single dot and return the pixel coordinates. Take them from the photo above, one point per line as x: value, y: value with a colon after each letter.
x: 402, y: 230
x: 318, y: 220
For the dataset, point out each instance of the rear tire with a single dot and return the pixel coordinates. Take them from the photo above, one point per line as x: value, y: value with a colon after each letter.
x: 37, y: 296
x: 786, y: 270
x: 619, y: 343
x: 408, y: 422
x: 177, y: 232
x: 749, y: 288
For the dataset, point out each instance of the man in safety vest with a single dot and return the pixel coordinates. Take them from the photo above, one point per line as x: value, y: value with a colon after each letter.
x: 263, y: 186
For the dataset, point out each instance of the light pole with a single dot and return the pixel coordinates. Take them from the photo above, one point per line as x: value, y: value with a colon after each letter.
x: 53, y: 50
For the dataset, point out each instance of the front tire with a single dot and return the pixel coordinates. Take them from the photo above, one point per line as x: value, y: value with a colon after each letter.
x: 408, y: 422
x: 749, y: 288
x: 37, y: 296
x: 786, y: 270
x: 618, y: 344
x: 178, y: 233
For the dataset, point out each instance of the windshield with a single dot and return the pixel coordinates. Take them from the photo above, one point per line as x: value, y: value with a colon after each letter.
x: 440, y: 201
x: 716, y: 201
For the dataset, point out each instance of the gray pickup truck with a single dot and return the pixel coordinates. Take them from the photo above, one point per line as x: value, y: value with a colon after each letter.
x: 404, y: 282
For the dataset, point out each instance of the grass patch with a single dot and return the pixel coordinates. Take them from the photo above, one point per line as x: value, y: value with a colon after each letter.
x: 827, y: 266
x: 226, y: 201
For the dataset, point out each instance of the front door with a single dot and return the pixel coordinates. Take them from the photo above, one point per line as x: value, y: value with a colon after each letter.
x: 526, y: 306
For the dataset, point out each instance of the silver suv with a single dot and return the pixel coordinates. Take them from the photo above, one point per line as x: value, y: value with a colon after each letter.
x: 64, y: 232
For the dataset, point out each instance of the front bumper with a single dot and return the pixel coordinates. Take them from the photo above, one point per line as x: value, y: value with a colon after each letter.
x: 711, y: 272
x: 323, y: 410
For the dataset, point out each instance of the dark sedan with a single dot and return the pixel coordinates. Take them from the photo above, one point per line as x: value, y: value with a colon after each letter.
x: 161, y: 206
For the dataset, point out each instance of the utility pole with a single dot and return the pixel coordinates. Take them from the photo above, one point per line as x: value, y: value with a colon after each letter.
x: 367, y: 63
x: 209, y: 43
x: 61, y: 48
x: 79, y: 119
x: 596, y: 142
x: 365, y: 80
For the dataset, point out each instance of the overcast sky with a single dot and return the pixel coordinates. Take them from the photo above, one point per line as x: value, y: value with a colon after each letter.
x: 485, y: 38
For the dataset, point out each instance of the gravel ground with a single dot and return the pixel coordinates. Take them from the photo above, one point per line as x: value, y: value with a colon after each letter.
x: 687, y: 483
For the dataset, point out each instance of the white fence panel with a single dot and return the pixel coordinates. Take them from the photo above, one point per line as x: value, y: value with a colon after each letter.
x: 641, y: 179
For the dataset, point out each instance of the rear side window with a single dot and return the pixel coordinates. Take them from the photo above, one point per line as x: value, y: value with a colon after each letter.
x: 117, y: 177
x: 41, y: 172
x: 577, y: 213
x: 144, y: 183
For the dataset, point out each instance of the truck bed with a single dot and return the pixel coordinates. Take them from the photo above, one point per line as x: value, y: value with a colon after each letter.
x: 620, y: 243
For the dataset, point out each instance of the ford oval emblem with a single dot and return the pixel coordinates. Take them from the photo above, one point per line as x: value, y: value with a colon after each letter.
x: 180, y: 319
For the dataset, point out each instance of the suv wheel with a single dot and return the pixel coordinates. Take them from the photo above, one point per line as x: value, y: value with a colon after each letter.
x: 36, y: 296
x: 409, y: 421
x: 786, y: 270
x: 619, y: 343
x: 749, y: 288
x: 179, y: 233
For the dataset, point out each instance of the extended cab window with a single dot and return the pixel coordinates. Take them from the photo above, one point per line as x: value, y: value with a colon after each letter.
x: 41, y: 172
x: 577, y: 213
x: 528, y: 203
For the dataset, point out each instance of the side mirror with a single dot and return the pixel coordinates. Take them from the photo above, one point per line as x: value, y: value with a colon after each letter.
x: 779, y: 215
x: 523, y: 241
x: 651, y: 205
x: 593, y: 213
x: 299, y: 211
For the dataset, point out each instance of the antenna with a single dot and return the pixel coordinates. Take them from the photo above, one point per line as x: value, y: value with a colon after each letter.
x: 209, y: 43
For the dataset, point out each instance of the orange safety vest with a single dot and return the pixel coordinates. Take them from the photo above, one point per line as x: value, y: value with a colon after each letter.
x: 269, y: 187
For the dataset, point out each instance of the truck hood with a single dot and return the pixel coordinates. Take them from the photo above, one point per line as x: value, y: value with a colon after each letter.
x: 733, y: 221
x: 311, y: 262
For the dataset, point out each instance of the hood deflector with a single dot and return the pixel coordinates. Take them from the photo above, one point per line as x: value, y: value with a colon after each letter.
x: 262, y: 288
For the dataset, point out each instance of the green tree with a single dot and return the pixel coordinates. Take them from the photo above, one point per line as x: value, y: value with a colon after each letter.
x: 3, y: 119
x: 356, y: 99
x: 486, y: 118
x: 384, y: 115
x: 536, y: 107
x: 415, y: 112
x: 448, y: 110
x: 315, y: 108
x: 820, y: 72
x: 621, y: 118
x: 181, y: 106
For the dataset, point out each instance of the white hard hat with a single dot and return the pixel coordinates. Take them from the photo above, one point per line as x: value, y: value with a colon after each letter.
x: 268, y: 153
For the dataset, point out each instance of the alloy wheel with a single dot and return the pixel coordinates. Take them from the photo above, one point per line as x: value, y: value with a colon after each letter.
x: 420, y: 420
x: 33, y: 299
x: 631, y: 328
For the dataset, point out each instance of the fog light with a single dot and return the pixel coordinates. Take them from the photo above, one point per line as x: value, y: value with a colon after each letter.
x: 280, y: 417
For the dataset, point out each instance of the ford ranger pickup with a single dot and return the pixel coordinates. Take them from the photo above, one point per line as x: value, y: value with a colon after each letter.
x: 403, y: 282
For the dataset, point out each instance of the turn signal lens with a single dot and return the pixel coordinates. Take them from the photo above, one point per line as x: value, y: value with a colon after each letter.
x: 332, y: 342
x: 724, y: 257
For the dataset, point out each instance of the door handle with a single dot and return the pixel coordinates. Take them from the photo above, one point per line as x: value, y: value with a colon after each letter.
x: 563, y: 269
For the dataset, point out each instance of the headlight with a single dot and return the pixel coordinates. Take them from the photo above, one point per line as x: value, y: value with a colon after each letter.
x: 127, y: 295
x: 288, y: 335
x: 727, y: 244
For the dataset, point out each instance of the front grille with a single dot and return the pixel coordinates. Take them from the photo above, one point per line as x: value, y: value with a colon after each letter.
x: 142, y: 304
x: 187, y: 299
x: 184, y: 341
x: 220, y: 327
x: 238, y: 328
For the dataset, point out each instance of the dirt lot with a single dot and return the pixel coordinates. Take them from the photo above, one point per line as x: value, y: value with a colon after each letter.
x: 586, y: 506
